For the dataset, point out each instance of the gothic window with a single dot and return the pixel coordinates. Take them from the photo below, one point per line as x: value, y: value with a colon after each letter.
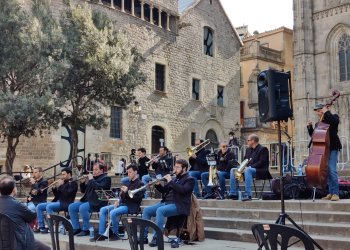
x: 344, y: 57
x: 220, y: 97
x: 195, y: 89
x: 160, y: 77
x: 116, y: 122
x: 208, y: 41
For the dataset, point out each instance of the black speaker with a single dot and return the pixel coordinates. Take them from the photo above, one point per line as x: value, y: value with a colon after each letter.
x: 274, y: 98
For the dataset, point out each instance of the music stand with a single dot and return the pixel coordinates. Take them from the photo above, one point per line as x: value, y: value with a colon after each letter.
x: 105, y: 195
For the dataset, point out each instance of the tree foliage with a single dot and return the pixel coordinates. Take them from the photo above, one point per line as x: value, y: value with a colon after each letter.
x: 104, y: 69
x: 28, y: 66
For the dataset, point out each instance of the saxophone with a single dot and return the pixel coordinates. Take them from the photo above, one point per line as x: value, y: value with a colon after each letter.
x: 240, y: 170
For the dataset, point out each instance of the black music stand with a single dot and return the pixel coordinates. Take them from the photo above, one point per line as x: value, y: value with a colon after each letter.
x: 105, y: 195
x: 281, y: 220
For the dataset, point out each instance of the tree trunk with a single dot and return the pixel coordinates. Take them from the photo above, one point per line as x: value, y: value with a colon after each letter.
x: 10, y: 153
x: 74, y: 148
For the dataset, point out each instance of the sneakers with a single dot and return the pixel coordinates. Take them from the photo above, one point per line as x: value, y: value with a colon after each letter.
x: 174, y: 243
x: 145, y: 240
x: 331, y: 197
x: 84, y: 233
x: 247, y: 198
x: 76, y: 231
x: 232, y: 197
x: 335, y: 197
x: 98, y: 237
x: 44, y: 231
x: 327, y: 197
x: 153, y: 242
x: 114, y: 237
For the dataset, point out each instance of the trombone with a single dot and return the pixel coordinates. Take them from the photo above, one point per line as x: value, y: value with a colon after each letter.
x: 193, y: 150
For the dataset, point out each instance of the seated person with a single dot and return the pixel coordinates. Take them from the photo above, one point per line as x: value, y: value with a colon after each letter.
x: 90, y: 201
x: 163, y: 165
x: 258, y: 166
x: 64, y: 191
x: 38, y: 192
x: 225, y: 161
x: 176, y: 199
x: 20, y: 214
x: 199, y: 165
x: 125, y: 205
x: 141, y: 164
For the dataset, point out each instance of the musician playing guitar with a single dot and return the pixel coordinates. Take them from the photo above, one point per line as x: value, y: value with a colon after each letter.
x: 335, y: 146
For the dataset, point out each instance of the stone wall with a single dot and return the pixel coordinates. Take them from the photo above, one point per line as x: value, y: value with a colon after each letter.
x: 173, y: 110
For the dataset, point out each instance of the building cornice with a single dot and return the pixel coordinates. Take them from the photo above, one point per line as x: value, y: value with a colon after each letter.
x: 331, y: 12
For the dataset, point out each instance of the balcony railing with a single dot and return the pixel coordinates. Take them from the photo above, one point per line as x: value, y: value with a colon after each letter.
x: 262, y: 52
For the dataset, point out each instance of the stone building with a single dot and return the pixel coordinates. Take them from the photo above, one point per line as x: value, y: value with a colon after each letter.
x: 192, y: 55
x: 322, y: 61
x: 270, y: 49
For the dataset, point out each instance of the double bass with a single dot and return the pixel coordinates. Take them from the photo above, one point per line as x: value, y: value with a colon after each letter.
x: 317, y: 162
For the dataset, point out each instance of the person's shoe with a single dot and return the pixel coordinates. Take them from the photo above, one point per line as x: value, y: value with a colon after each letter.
x: 247, y: 198
x: 153, y: 242
x: 44, y: 231
x: 174, y: 243
x: 335, y: 197
x: 145, y: 240
x: 327, y: 197
x: 114, y: 237
x: 83, y: 233
x: 232, y: 197
x: 36, y: 230
x: 76, y: 231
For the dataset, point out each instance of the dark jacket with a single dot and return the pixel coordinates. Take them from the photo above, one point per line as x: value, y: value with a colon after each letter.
x: 101, y: 182
x: 134, y: 203
x: 333, y: 121
x: 142, y: 166
x: 226, y: 161
x: 164, y: 165
x: 200, y: 163
x: 66, y: 193
x: 41, y: 196
x: 21, y: 216
x: 181, y: 188
x: 259, y: 160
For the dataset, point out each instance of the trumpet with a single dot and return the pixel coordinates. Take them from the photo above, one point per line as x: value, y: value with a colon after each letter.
x: 240, y: 170
x: 193, y: 150
x: 152, y: 160
x: 51, y: 185
x: 131, y: 193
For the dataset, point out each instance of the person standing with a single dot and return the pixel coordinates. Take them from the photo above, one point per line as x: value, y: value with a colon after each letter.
x: 322, y: 111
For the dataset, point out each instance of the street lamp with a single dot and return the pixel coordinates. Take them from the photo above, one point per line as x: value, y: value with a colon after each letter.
x: 137, y: 107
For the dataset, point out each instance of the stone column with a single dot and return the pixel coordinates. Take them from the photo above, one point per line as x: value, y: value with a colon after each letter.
x: 133, y: 7
x: 160, y: 17
x: 151, y: 13
x: 112, y: 4
x: 123, y: 5
x: 100, y: 2
x: 168, y: 21
x: 142, y: 10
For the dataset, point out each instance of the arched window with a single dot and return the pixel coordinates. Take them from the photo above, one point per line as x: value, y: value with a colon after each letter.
x: 208, y: 41
x: 344, y: 57
x: 158, y: 138
x: 213, y: 139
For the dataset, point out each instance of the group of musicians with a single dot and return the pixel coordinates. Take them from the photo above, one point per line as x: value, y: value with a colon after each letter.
x: 178, y: 183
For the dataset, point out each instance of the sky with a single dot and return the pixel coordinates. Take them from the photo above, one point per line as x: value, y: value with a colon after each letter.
x: 260, y: 15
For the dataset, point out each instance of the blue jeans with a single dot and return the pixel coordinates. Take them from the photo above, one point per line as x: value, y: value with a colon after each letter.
x: 160, y: 211
x: 84, y: 209
x: 234, y: 185
x: 333, y: 185
x: 31, y: 206
x: 249, y: 174
x: 196, y: 175
x: 50, y: 209
x: 114, y: 214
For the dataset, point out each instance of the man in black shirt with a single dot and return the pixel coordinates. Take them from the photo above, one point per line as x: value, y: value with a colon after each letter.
x: 142, y: 159
x: 125, y: 205
x: 199, y: 165
x: 176, y: 199
x: 38, y: 192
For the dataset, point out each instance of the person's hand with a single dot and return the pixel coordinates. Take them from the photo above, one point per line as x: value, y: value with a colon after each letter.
x: 32, y: 180
x: 124, y: 189
x: 194, y: 156
x: 34, y: 192
x: 309, y: 123
x: 116, y: 203
x: 324, y: 109
x: 59, y: 183
x: 168, y: 178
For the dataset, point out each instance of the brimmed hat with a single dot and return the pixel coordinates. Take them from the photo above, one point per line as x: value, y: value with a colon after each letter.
x: 318, y: 106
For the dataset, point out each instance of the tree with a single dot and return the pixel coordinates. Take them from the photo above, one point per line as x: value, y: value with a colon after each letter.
x: 29, y: 63
x: 104, y: 69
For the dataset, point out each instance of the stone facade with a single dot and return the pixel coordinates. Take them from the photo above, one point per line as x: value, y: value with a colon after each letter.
x: 180, y: 49
x: 270, y: 49
x: 318, y: 28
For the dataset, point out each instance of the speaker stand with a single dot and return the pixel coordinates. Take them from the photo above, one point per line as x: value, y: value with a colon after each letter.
x: 283, y: 216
